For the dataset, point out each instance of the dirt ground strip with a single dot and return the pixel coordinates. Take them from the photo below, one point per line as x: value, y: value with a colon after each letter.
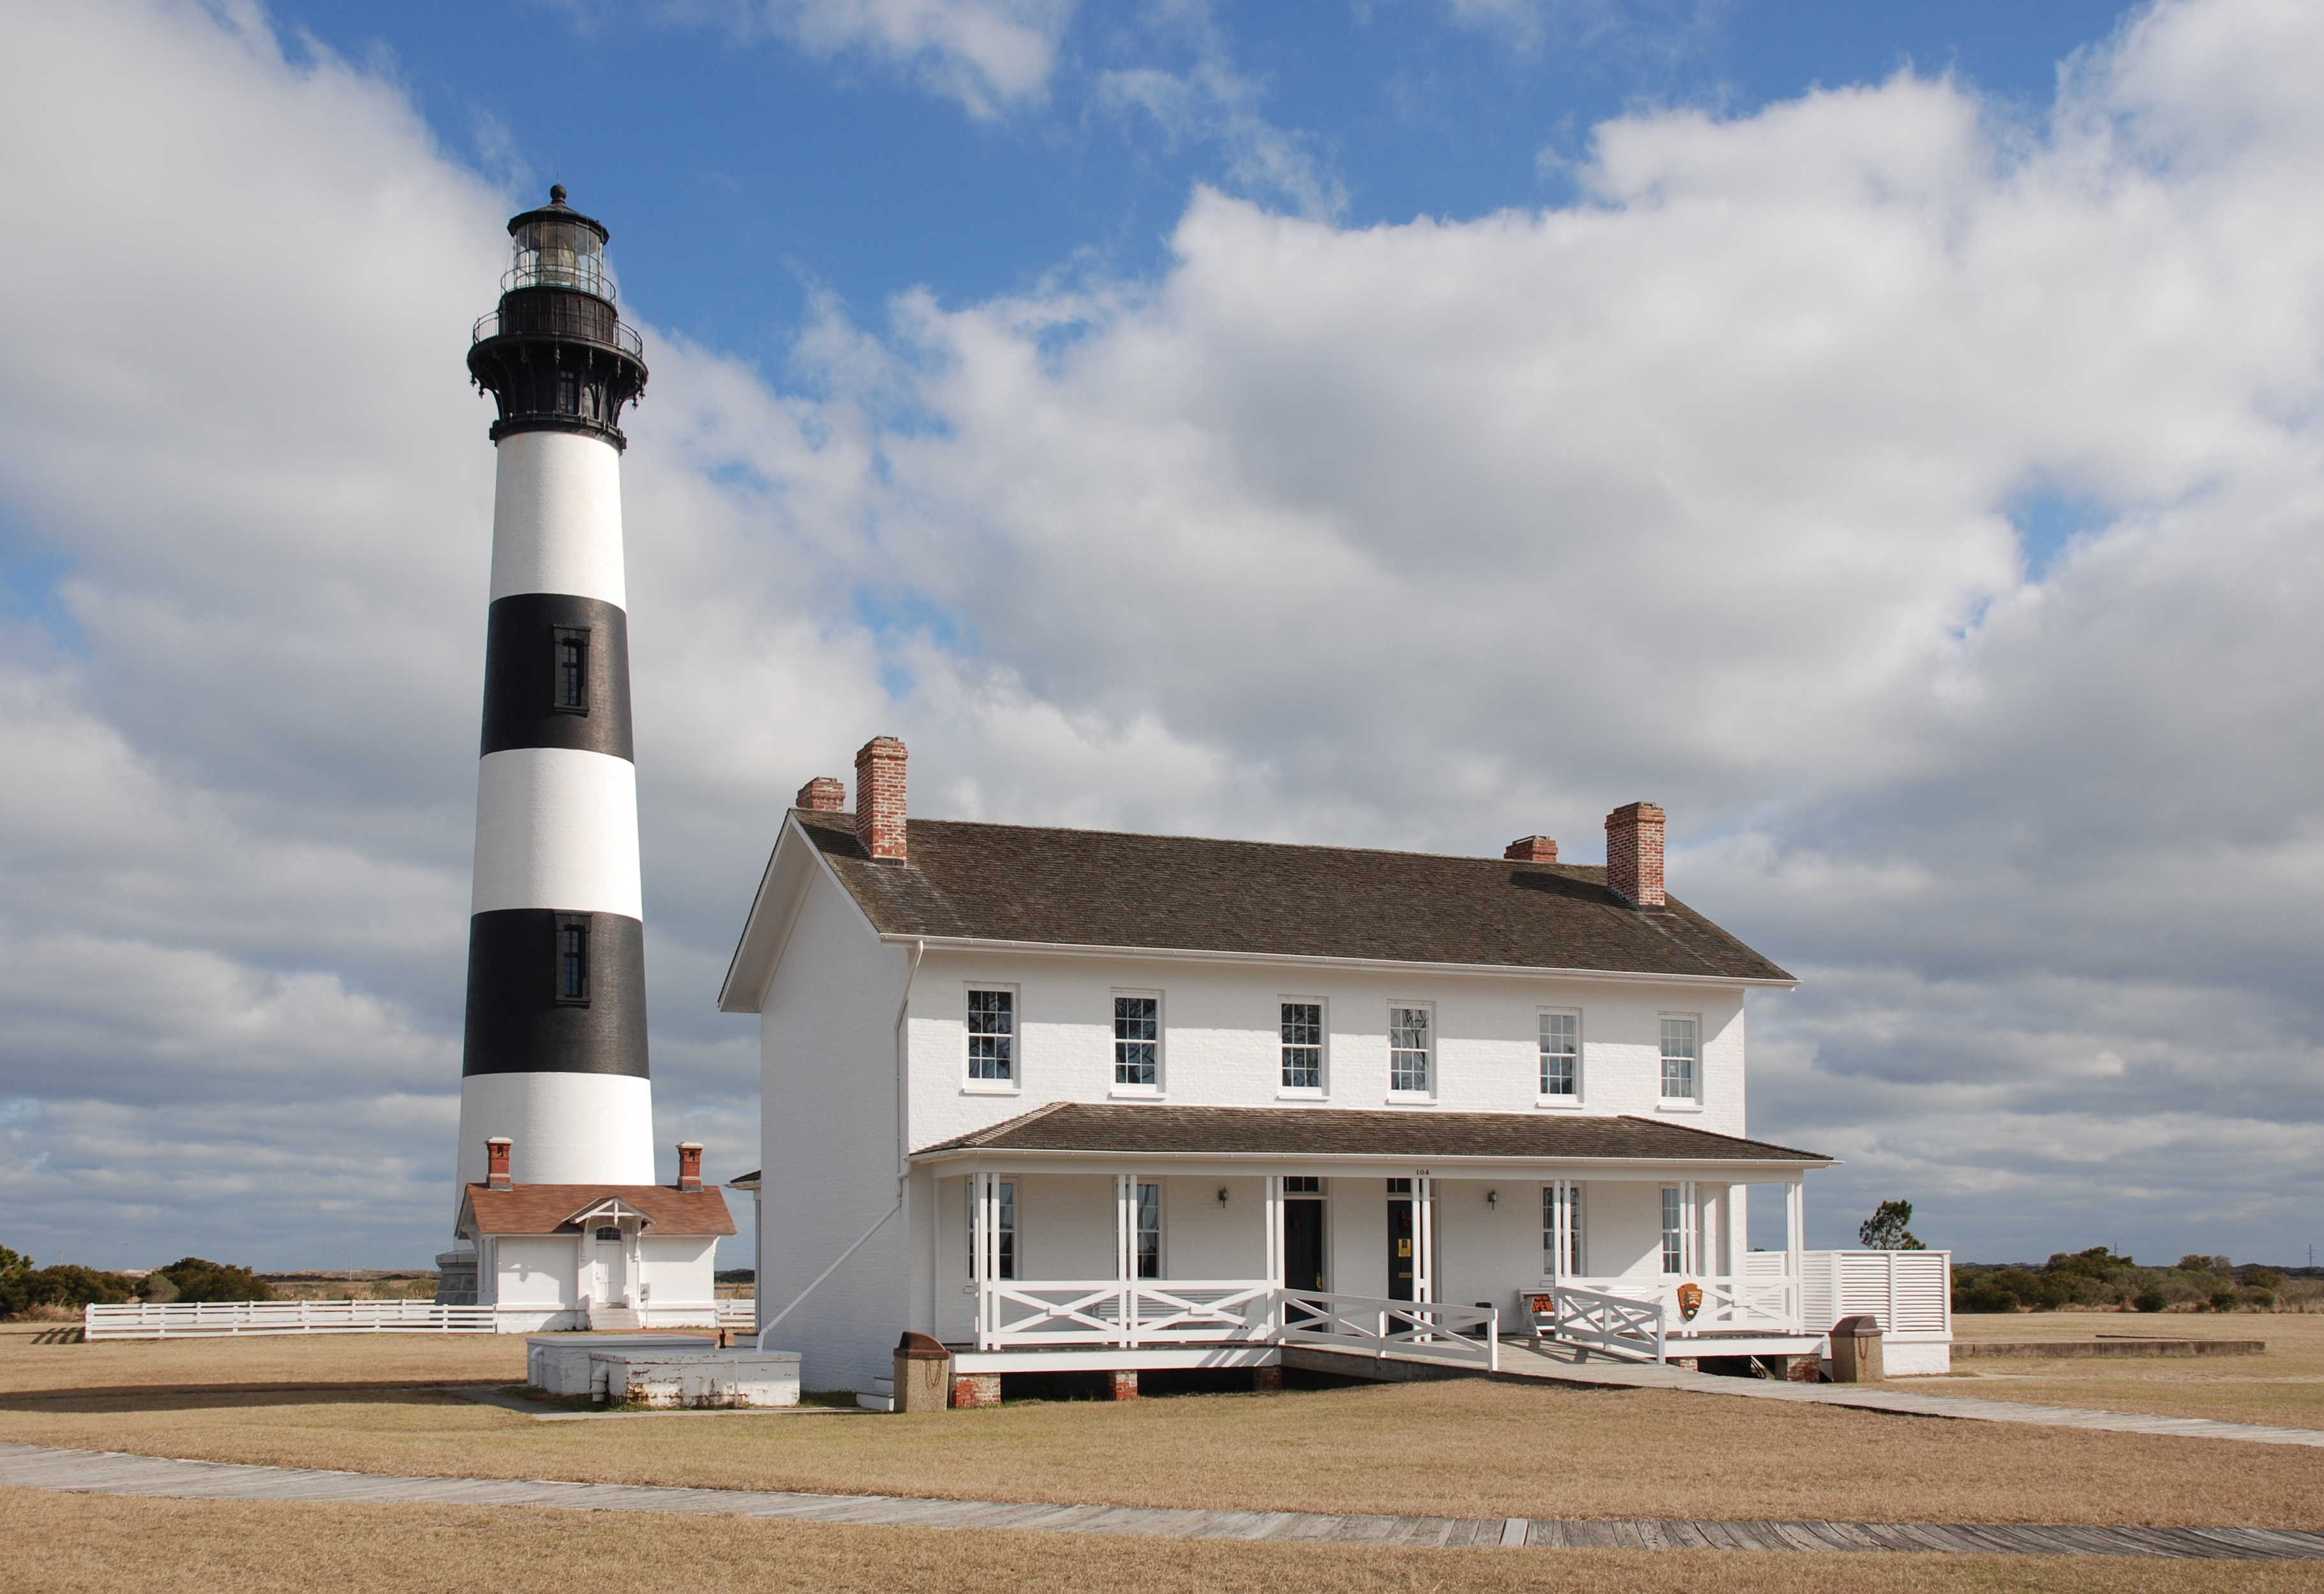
x: 90, y: 1545
x: 1464, y: 1448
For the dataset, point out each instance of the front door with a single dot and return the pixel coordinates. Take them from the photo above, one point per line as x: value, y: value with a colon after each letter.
x: 608, y: 1283
x: 1401, y: 1262
x: 1302, y: 1245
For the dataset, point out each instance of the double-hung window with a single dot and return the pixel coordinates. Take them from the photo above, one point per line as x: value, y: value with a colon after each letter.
x: 1679, y: 1059
x: 1561, y: 1055
x: 1408, y: 1047
x: 1149, y: 1232
x: 1004, y: 1229
x: 1673, y: 1230
x: 1136, y: 1040
x: 1303, y: 1046
x: 992, y: 1035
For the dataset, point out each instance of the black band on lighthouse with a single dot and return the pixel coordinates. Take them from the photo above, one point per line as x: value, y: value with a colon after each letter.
x: 529, y: 697
x: 519, y: 1018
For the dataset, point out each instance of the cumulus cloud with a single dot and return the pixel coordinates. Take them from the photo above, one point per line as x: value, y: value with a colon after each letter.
x: 990, y: 55
x: 1710, y: 488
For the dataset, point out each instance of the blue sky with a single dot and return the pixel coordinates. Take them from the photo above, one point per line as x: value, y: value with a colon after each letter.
x: 744, y: 173
x: 1888, y: 436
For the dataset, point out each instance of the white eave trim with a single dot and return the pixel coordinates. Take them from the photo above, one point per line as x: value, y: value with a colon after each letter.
x: 1391, y: 1162
x: 1304, y: 961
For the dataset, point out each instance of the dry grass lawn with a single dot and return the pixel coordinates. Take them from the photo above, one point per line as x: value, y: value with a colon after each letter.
x: 90, y: 1545
x: 2284, y: 1387
x: 1464, y: 1448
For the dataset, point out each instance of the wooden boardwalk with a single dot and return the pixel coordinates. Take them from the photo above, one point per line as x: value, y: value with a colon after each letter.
x: 110, y: 1473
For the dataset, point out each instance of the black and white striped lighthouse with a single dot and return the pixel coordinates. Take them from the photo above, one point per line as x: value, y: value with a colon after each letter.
x: 555, y: 1055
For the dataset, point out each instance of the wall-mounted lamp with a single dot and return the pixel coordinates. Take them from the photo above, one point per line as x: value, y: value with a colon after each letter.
x: 1493, y: 1198
x: 1222, y: 1195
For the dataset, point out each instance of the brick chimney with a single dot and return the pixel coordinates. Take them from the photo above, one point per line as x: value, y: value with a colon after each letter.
x: 1532, y: 849
x: 826, y: 793
x: 497, y: 1162
x: 880, y: 798
x: 1634, y: 854
x: 690, y: 1165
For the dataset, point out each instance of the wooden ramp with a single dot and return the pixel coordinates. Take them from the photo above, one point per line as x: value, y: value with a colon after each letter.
x: 25, y: 1466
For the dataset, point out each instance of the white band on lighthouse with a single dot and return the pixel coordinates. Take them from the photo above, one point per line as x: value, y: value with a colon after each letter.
x: 557, y: 517
x: 557, y: 828
x: 569, y: 1128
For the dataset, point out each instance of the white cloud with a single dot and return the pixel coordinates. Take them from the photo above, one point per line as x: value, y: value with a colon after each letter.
x: 990, y: 55
x: 1427, y: 535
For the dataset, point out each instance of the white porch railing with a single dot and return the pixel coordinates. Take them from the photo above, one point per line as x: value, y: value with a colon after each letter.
x: 1110, y: 1311
x: 151, y: 1320
x: 1434, y: 1330
x: 742, y: 1313
x: 1624, y: 1324
x: 1909, y: 1293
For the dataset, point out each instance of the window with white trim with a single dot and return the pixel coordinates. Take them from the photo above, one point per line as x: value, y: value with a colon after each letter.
x: 1136, y: 1040
x: 1004, y: 1227
x: 1409, y: 1043
x: 1149, y: 1232
x: 992, y: 1035
x: 1680, y: 1048
x: 1561, y: 1055
x: 1673, y: 1230
x: 1303, y: 1046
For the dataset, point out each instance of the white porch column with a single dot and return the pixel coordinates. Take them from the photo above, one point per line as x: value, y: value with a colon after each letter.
x: 1424, y: 1248
x: 979, y: 1242
x: 1795, y: 1222
x: 1561, y: 1227
x: 1125, y: 1256
x: 1272, y: 1241
x: 1690, y: 1264
x: 1738, y: 1214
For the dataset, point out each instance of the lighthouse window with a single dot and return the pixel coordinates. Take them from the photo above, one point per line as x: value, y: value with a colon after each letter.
x: 572, y: 687
x: 569, y: 393
x: 573, y: 959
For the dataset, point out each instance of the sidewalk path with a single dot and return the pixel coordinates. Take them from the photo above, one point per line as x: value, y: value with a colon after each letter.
x: 25, y: 1466
x: 1559, y: 1364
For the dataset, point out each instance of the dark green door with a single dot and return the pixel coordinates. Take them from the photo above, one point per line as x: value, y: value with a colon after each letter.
x: 1400, y: 1259
x: 1302, y: 1245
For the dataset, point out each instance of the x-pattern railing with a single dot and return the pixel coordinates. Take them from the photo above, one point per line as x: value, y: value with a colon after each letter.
x: 1113, y: 1312
x: 1368, y: 1325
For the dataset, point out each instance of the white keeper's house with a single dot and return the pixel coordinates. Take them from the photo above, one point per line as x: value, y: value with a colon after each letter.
x: 1076, y: 1100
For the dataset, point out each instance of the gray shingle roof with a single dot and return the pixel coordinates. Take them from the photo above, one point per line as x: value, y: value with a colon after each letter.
x: 1331, y: 1131
x: 1090, y: 887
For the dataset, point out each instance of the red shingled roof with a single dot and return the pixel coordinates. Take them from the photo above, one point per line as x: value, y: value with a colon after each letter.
x: 552, y: 1208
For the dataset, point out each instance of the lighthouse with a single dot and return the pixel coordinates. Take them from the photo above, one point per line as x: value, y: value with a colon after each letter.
x: 554, y: 1057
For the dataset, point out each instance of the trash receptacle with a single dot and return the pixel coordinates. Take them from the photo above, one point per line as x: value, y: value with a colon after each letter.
x: 923, y: 1374
x: 1856, y: 1351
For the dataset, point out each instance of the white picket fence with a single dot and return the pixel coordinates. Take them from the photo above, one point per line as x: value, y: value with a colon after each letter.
x: 175, y: 1320
x: 742, y: 1313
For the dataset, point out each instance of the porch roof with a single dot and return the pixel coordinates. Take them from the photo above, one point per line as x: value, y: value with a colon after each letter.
x: 558, y: 1209
x: 1292, y: 1132
x: 1030, y: 886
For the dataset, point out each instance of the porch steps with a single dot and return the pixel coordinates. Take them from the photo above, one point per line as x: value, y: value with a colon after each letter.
x: 614, y: 1319
x: 880, y: 1398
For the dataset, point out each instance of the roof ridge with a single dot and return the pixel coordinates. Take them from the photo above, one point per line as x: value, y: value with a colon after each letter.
x: 1244, y: 841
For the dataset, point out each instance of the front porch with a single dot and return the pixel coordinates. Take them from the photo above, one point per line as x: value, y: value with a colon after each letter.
x: 1638, y: 1263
